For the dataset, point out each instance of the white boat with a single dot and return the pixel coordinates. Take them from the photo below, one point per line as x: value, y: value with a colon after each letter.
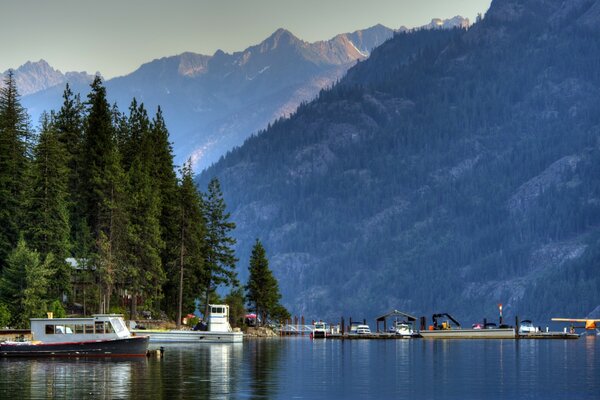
x: 102, y: 335
x: 218, y: 330
x: 402, y: 328
x: 360, y: 329
x: 319, y: 330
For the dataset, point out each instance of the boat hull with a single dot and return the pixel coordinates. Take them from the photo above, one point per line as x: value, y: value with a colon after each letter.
x: 469, y: 334
x: 191, y: 336
x: 319, y: 334
x: 127, y: 347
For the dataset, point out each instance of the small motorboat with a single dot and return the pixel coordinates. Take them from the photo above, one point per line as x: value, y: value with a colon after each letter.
x: 102, y: 335
x: 402, y: 328
x: 319, y: 330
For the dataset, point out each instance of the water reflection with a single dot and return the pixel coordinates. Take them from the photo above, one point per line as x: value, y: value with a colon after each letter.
x: 322, y: 369
x: 70, y: 378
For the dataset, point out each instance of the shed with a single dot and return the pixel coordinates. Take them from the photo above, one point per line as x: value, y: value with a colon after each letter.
x: 394, y: 313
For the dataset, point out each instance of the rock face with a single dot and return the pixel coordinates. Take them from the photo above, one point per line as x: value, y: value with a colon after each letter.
x: 451, y: 171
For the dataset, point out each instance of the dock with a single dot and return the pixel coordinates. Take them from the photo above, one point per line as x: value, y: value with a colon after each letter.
x: 548, y: 335
x: 444, y: 330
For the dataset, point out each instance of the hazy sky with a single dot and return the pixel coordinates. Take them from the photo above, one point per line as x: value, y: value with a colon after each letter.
x: 117, y: 36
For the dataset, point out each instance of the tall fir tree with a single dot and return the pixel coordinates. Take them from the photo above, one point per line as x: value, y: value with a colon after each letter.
x: 15, y: 139
x: 144, y: 275
x: 219, y: 256
x: 68, y: 123
x: 262, y: 290
x: 162, y: 172
x: 47, y: 206
x: 184, y: 275
x: 104, y: 198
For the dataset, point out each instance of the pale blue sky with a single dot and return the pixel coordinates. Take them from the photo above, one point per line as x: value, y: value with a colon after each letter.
x: 116, y: 36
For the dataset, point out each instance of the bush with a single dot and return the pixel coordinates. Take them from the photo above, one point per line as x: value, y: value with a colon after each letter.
x: 57, y: 309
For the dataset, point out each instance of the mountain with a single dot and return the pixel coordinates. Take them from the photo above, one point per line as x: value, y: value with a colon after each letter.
x: 212, y: 103
x: 34, y: 77
x: 451, y: 171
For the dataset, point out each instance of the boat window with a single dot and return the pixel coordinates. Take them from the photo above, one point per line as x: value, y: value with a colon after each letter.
x: 117, y: 324
x: 78, y: 329
x: 49, y: 329
x: 89, y: 328
x: 69, y: 329
x: 99, y: 327
x: 217, y: 310
x: 108, y: 328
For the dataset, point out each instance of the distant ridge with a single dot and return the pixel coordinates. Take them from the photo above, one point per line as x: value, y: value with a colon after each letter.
x: 212, y: 103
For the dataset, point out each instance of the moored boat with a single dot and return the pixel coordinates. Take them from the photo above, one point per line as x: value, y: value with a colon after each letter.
x: 102, y: 335
x: 218, y: 330
x: 451, y: 329
x: 319, y: 330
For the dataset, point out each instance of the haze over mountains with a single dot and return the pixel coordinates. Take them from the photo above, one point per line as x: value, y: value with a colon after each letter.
x: 449, y: 172
x: 212, y: 103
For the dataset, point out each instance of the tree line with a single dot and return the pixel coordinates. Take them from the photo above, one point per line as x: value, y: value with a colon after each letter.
x: 95, y: 219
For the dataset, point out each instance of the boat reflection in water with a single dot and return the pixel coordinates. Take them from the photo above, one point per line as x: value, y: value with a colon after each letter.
x: 71, y: 378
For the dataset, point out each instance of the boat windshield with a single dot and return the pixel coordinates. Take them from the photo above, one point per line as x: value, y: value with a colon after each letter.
x: 117, y: 324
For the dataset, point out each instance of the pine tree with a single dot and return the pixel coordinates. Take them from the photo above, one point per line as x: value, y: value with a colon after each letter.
x: 262, y: 288
x: 219, y: 256
x: 24, y: 283
x: 144, y: 273
x: 47, y: 206
x: 103, y: 199
x: 68, y: 123
x: 163, y: 175
x: 183, y: 276
x: 14, y: 157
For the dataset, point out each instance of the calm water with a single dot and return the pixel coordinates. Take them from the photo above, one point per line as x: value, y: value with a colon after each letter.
x: 299, y: 368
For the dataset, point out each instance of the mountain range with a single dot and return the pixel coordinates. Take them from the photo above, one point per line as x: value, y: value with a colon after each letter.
x: 212, y: 103
x: 451, y: 171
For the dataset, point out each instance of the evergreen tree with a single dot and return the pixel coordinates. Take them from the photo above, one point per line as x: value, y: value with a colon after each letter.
x: 24, y: 283
x: 103, y: 199
x: 68, y: 123
x: 14, y: 156
x: 219, y: 256
x: 162, y: 172
x: 47, y: 206
x: 183, y: 281
x: 37, y: 278
x: 262, y: 289
x: 235, y: 301
x: 144, y: 272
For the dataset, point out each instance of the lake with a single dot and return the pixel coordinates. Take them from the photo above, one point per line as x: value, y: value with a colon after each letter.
x: 298, y: 368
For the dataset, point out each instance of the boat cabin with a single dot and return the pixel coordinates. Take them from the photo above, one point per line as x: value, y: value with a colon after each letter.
x: 97, y: 327
x: 218, y: 318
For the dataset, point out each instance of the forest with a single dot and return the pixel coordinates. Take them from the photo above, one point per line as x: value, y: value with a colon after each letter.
x: 95, y: 219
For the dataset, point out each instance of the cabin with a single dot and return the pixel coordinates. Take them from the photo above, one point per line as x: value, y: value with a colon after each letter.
x: 218, y: 318
x: 97, y: 327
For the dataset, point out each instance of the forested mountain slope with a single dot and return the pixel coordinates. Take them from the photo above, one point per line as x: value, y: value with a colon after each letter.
x: 451, y: 171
